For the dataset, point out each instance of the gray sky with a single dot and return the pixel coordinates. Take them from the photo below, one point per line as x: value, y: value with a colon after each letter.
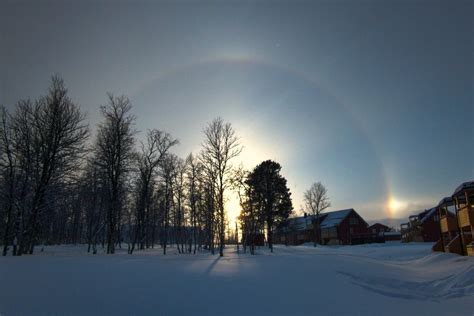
x: 373, y: 98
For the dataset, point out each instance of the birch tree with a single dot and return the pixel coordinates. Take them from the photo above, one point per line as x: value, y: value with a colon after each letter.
x: 194, y: 169
x: 8, y: 177
x: 220, y: 146
x: 115, y: 154
x: 167, y: 172
x: 316, y: 201
x: 58, y: 136
x: 152, y: 153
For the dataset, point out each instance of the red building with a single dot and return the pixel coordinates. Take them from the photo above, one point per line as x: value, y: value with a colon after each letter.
x: 343, y: 227
x: 423, y: 227
x: 384, y: 233
x: 379, y: 229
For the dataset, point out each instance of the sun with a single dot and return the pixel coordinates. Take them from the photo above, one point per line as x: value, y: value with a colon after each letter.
x: 394, y: 205
x: 256, y: 148
x: 232, y: 206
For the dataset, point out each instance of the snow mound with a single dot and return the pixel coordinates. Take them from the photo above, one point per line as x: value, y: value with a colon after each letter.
x: 452, y: 286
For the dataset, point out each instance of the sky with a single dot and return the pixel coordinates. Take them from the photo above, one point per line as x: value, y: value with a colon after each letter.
x: 375, y: 99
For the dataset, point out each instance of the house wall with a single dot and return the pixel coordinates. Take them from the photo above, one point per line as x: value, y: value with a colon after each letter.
x: 294, y: 238
x: 430, y: 229
x: 377, y: 228
x: 352, y: 228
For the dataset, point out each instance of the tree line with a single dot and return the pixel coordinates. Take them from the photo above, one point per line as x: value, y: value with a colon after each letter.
x: 59, y: 185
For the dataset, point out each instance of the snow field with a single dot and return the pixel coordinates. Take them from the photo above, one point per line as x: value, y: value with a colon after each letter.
x: 376, y: 279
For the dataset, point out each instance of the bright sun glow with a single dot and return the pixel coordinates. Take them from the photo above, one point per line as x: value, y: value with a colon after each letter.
x: 256, y: 148
x: 233, y: 208
x: 394, y: 205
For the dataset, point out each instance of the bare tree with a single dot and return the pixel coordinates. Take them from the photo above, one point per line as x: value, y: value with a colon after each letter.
x: 167, y: 172
x: 23, y: 130
x: 316, y: 201
x: 93, y: 199
x: 114, y: 154
x: 220, y: 146
x: 248, y: 218
x: 194, y: 169
x: 152, y: 152
x: 208, y: 183
x: 8, y: 177
x: 58, y: 137
x: 179, y: 209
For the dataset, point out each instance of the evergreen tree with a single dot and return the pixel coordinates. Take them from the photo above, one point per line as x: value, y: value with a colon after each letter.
x: 270, y: 195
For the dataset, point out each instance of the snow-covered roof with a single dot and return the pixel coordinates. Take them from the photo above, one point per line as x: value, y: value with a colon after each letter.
x: 464, y: 186
x: 427, y: 214
x: 447, y: 200
x: 333, y: 219
x: 300, y: 223
x: 378, y: 224
x: 329, y: 219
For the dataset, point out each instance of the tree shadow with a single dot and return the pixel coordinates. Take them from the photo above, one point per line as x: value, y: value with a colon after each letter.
x: 211, y: 266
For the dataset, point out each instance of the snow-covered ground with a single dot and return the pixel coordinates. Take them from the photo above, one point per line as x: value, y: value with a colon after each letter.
x: 378, y: 279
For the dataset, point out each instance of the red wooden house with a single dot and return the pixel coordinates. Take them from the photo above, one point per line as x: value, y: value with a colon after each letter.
x: 384, y: 233
x: 343, y: 227
x: 295, y: 231
x: 378, y: 229
x: 423, y: 227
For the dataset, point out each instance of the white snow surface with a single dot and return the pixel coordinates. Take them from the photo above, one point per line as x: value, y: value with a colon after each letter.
x: 376, y: 279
